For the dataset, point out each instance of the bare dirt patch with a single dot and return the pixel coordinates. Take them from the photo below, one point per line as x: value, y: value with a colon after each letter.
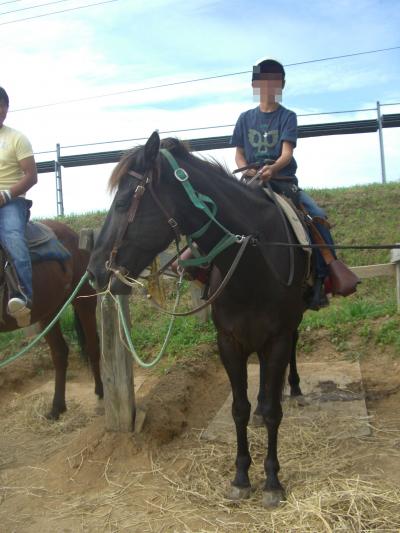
x: 72, y: 476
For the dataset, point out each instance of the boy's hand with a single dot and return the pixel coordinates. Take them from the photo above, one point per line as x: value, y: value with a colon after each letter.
x: 250, y: 173
x: 267, y: 173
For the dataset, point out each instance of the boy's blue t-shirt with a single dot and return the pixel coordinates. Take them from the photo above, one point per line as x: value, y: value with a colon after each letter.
x: 261, y: 135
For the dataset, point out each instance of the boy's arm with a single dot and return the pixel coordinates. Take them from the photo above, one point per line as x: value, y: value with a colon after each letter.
x: 240, y: 160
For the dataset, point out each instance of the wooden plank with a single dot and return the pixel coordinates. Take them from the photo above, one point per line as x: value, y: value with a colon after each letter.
x: 395, y: 258
x: 371, y: 271
x: 196, y: 292
x: 335, y: 389
x: 86, y: 240
x: 116, y: 367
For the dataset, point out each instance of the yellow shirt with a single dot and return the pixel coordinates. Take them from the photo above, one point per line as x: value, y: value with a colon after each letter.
x: 14, y: 147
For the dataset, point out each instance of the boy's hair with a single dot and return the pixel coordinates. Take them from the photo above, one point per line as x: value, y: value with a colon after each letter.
x: 268, y: 66
x: 4, y: 96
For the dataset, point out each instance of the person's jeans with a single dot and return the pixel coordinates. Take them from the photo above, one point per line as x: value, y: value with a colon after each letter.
x: 316, y: 211
x: 13, y: 219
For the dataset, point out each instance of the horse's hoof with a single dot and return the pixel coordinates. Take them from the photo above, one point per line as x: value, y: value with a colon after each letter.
x: 257, y: 420
x: 300, y: 400
x: 238, y: 493
x: 54, y: 414
x: 99, y: 391
x: 273, y: 498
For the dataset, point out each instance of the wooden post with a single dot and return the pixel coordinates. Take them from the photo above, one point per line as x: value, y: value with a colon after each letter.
x: 116, y: 367
x: 395, y: 258
x: 116, y: 361
x: 196, y: 292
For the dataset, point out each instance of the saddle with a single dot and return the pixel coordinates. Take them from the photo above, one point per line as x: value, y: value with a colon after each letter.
x: 342, y: 280
x: 43, y: 246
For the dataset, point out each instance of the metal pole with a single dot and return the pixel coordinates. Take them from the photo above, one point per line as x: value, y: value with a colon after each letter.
x: 382, y: 151
x: 59, y: 192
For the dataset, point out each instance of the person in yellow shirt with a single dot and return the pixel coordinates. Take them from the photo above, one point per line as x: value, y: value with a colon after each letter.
x: 17, y: 175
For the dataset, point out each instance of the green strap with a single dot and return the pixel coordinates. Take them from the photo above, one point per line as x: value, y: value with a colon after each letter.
x: 225, y: 242
x: 12, y: 358
x: 199, y: 200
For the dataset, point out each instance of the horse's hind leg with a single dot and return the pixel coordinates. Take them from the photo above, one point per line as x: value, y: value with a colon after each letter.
x: 276, y: 361
x: 59, y: 354
x: 235, y: 364
x: 257, y: 415
x: 294, y: 378
x: 85, y: 308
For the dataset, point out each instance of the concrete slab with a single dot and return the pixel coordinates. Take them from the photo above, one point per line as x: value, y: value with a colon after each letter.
x: 333, y: 388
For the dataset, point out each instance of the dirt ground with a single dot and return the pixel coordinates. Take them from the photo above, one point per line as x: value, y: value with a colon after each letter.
x: 72, y: 476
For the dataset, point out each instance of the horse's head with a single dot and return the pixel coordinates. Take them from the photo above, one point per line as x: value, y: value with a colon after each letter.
x: 137, y: 226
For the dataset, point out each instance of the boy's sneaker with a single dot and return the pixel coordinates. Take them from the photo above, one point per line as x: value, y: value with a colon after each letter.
x: 18, y: 309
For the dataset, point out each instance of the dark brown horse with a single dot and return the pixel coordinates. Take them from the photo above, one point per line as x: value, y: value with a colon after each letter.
x: 258, y: 310
x: 53, y: 283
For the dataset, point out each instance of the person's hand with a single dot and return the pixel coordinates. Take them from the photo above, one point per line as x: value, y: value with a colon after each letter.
x: 250, y: 173
x: 267, y: 173
x: 5, y: 197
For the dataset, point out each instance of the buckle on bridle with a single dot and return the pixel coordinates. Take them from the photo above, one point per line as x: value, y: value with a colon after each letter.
x: 173, y: 223
x: 181, y: 174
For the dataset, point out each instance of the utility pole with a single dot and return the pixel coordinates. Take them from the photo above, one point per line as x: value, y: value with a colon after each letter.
x: 59, y: 193
x: 382, y: 151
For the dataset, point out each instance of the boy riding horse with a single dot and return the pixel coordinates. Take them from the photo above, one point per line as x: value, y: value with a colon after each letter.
x: 269, y: 131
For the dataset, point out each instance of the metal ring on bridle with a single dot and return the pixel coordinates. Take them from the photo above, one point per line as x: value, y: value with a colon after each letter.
x: 181, y: 174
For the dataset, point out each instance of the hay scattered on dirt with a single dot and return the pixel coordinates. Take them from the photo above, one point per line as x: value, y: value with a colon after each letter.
x: 185, y: 491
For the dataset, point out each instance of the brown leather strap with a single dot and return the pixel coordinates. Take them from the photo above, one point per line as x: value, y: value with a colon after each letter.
x: 215, y: 295
x: 325, y: 252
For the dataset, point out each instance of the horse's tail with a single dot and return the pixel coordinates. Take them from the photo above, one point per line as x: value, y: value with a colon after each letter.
x: 80, y: 333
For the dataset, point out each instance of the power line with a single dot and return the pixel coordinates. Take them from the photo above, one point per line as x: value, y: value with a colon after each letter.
x: 209, y: 128
x: 343, y: 56
x: 9, y: 2
x: 195, y: 80
x: 33, y: 7
x: 56, y: 12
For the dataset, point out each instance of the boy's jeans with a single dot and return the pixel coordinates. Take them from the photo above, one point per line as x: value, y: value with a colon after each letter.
x: 13, y: 219
x: 316, y: 211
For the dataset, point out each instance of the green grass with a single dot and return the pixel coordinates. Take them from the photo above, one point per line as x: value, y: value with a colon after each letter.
x: 149, y: 328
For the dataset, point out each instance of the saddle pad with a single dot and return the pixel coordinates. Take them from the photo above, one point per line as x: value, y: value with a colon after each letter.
x: 293, y: 219
x: 51, y: 250
x: 37, y: 233
x: 43, y: 244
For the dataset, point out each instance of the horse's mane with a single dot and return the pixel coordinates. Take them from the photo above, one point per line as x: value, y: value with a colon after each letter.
x: 179, y: 149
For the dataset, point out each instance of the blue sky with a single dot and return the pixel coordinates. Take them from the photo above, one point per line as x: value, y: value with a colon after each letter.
x: 125, y: 45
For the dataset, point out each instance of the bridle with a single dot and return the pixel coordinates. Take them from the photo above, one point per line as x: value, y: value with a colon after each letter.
x: 145, y: 179
x: 199, y: 200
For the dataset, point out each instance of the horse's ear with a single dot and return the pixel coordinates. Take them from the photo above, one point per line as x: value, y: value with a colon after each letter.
x: 151, y: 149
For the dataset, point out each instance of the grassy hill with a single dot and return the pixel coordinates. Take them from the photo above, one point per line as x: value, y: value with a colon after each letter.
x: 360, y: 215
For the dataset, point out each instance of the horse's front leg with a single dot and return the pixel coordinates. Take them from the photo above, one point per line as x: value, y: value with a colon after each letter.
x: 235, y: 363
x: 85, y: 308
x: 276, y: 361
x: 59, y: 354
x: 293, y: 379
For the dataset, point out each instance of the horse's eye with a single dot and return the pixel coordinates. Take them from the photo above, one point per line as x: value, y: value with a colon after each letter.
x: 123, y: 201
